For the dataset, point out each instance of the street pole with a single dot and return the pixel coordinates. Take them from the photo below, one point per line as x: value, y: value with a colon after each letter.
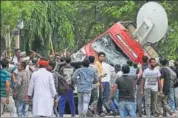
x: 17, y: 38
x: 50, y: 39
x: 7, y: 41
x: 19, y: 26
x: 8, y: 44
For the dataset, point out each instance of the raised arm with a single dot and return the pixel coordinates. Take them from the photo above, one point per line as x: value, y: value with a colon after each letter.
x: 140, y: 71
x: 75, y: 76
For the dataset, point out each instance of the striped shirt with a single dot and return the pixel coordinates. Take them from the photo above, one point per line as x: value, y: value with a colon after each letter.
x: 5, y: 75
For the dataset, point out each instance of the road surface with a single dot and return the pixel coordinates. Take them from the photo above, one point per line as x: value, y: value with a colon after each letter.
x: 66, y: 115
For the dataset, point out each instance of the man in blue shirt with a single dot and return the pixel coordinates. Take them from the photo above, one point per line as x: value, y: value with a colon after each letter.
x: 84, y: 78
x: 6, y: 98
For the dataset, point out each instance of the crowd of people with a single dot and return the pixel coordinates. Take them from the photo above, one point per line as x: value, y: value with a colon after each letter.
x: 46, y: 85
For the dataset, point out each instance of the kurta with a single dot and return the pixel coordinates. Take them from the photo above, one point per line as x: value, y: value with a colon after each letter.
x: 43, y: 91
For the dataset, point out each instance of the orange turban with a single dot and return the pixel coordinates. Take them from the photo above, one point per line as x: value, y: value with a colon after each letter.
x: 43, y: 62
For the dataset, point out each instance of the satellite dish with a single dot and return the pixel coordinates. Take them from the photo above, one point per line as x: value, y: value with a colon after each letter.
x: 152, y: 23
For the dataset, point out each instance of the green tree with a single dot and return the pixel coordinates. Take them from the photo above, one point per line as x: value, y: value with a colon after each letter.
x: 169, y: 46
x: 94, y: 17
x: 12, y: 11
x: 71, y: 24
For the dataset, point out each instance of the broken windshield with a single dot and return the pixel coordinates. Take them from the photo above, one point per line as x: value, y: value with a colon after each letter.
x: 114, y: 55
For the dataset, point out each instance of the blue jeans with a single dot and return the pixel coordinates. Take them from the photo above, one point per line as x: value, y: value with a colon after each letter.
x: 106, y: 94
x: 83, y: 103
x: 126, y: 107
x: 116, y: 99
x: 22, y: 108
x: 67, y: 96
x: 176, y: 97
x: 171, y: 99
x: 116, y: 103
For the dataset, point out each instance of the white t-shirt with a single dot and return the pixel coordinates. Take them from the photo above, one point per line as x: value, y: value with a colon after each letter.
x: 108, y: 69
x: 151, y: 78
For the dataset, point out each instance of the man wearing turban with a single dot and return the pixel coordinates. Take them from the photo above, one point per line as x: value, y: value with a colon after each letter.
x: 42, y: 90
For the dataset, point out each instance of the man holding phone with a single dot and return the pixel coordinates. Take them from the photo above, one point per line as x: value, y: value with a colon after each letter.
x: 104, y: 78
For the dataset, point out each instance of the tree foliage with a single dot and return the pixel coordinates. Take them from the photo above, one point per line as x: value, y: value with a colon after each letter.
x: 169, y: 46
x: 70, y: 24
x: 13, y: 11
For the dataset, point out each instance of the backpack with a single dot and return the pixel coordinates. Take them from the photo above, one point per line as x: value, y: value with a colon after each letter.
x: 62, y: 85
x: 173, y: 77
